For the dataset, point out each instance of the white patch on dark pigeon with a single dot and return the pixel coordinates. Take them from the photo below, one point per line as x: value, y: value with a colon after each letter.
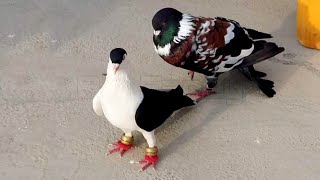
x: 185, y: 29
x: 202, y: 58
x: 205, y: 27
x: 218, y: 59
x: 213, y: 22
x: 233, y: 60
x: 230, y: 34
x: 204, y: 44
x: 163, y: 51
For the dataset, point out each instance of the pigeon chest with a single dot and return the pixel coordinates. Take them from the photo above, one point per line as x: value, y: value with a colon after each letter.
x: 179, y: 52
x: 119, y: 104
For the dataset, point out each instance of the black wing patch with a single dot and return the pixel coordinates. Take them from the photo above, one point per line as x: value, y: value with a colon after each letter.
x: 157, y: 106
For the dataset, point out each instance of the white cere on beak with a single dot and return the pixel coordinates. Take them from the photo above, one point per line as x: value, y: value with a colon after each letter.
x: 156, y: 33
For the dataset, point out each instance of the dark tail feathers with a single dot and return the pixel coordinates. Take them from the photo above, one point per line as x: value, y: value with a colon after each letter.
x: 262, y: 51
x: 257, y: 35
x: 266, y: 86
x: 178, y: 91
x: 180, y: 100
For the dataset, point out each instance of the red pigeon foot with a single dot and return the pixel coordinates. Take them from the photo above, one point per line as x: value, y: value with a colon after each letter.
x: 119, y: 147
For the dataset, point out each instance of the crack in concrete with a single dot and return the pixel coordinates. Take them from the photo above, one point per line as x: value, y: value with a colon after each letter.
x: 76, y: 170
x: 309, y: 66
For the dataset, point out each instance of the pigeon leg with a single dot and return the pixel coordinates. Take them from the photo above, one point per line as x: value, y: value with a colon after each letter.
x: 191, y: 73
x: 211, y: 82
x: 123, y: 145
x: 151, y: 152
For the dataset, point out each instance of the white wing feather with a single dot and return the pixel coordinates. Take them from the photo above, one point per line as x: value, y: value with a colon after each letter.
x: 97, y: 104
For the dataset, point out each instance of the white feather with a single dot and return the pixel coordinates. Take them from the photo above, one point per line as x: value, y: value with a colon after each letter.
x: 202, y: 58
x: 97, y: 105
x: 234, y: 60
x: 186, y: 28
x: 163, y: 51
x: 230, y: 34
x: 217, y: 60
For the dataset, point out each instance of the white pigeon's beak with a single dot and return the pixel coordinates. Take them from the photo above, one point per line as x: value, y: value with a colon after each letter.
x: 116, y: 68
x: 156, y: 33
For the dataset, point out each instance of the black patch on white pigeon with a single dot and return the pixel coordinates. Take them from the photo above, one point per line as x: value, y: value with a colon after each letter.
x: 157, y: 106
x: 117, y: 55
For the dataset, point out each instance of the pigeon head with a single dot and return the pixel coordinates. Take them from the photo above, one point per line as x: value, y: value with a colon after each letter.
x: 171, y: 26
x: 117, y: 56
x: 166, y: 26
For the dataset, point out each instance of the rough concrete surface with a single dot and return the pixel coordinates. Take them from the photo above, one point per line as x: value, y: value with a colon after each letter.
x: 52, y: 55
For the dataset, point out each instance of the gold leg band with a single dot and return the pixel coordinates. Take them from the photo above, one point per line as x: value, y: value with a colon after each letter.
x: 128, y: 140
x: 151, y: 151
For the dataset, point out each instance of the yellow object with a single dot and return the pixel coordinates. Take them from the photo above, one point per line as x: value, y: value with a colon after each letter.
x: 128, y: 140
x: 308, y: 23
x: 151, y: 151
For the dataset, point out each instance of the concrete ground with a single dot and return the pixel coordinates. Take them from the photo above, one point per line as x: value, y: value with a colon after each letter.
x: 52, y: 55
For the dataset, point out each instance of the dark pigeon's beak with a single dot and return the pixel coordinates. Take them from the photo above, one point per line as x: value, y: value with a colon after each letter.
x: 105, y: 74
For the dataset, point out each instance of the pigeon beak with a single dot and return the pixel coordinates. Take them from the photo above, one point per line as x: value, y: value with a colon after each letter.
x: 156, y: 33
x: 116, y: 68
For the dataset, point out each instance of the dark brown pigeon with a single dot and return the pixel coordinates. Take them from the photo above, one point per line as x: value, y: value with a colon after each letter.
x: 212, y: 46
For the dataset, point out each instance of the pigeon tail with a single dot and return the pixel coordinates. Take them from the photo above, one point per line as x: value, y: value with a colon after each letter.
x: 179, y: 100
x: 262, y: 51
x: 257, y: 35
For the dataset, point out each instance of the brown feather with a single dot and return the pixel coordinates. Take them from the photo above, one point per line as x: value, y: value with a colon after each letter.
x: 177, y: 56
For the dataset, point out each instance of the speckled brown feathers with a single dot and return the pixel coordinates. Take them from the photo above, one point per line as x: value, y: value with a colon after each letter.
x: 198, y: 51
x: 179, y: 53
x: 212, y: 46
x: 214, y: 35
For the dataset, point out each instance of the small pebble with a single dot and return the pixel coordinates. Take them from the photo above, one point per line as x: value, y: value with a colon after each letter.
x: 11, y: 35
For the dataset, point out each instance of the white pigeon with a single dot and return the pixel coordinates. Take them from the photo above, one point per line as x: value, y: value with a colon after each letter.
x: 131, y: 107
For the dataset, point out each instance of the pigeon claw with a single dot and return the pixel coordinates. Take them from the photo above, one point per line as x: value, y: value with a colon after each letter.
x: 119, y: 147
x: 147, y: 161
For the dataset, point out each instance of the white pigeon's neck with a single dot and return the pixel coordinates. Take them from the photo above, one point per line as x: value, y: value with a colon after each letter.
x: 116, y: 77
